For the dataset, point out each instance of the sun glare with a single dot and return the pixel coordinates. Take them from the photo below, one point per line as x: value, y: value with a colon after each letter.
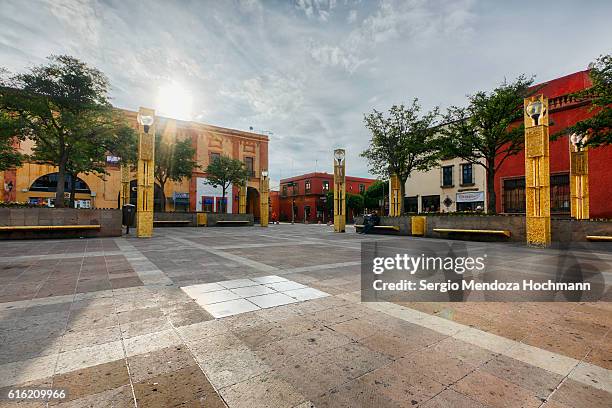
x: 174, y: 101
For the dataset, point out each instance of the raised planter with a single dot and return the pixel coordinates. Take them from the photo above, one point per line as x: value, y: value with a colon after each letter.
x: 212, y: 219
x: 173, y: 219
x: 563, y: 229
x: 109, y: 221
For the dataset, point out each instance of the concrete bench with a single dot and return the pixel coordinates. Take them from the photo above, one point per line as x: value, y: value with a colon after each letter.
x: 505, y: 233
x: 230, y: 222
x: 381, y: 227
x: 598, y: 238
x: 48, y: 227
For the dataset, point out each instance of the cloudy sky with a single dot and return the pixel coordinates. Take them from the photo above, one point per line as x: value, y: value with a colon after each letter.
x: 305, y: 70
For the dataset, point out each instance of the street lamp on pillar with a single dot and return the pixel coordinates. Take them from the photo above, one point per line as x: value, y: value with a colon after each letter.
x: 146, y: 167
x: 339, y: 190
x: 263, y: 198
x: 579, y: 177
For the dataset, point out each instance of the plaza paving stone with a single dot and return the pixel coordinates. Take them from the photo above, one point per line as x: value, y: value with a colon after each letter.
x: 115, y: 322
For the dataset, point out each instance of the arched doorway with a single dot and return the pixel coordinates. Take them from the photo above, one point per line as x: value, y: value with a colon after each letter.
x: 253, y: 202
x: 48, y: 184
x: 158, y: 195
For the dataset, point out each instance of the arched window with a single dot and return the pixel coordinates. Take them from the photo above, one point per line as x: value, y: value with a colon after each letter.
x: 48, y: 183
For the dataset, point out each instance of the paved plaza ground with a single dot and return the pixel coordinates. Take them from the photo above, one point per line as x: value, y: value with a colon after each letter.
x: 254, y: 317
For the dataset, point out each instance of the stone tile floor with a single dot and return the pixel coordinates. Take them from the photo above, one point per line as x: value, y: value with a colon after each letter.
x: 107, y: 320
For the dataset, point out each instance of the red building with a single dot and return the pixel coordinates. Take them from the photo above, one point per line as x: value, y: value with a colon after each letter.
x: 307, y: 194
x: 564, y: 111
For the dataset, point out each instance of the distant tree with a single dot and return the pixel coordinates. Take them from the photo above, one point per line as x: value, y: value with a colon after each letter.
x: 598, y: 128
x: 401, y: 142
x: 354, y: 203
x: 483, y: 132
x: 9, y: 156
x: 63, y: 107
x: 376, y: 192
x: 223, y: 171
x: 174, y: 160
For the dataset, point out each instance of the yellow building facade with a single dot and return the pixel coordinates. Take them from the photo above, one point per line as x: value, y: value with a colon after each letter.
x: 34, y: 183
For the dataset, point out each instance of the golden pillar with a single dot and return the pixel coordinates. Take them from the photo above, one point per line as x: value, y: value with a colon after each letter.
x: 146, y: 167
x: 125, y: 183
x: 395, y: 203
x: 579, y: 178
x: 537, y: 171
x: 264, y: 194
x: 242, y: 199
x: 339, y: 190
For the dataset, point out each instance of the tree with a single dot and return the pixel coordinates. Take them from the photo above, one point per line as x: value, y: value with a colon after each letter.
x: 354, y: 202
x: 63, y: 107
x: 598, y: 128
x: 483, y: 133
x: 223, y: 171
x: 9, y: 156
x: 401, y: 142
x: 174, y: 160
x: 376, y: 192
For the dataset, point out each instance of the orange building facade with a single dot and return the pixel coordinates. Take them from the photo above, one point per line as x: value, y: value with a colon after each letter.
x: 34, y: 183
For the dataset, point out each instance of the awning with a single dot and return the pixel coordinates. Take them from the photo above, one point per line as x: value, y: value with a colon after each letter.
x: 470, y: 197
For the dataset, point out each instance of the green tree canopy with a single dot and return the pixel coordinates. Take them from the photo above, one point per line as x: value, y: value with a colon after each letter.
x: 63, y: 107
x: 174, y: 160
x: 9, y: 156
x: 401, y: 142
x: 598, y: 128
x: 483, y: 132
x: 376, y: 192
x: 223, y: 171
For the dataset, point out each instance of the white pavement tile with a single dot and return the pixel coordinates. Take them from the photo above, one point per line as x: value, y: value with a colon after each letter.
x: 285, y: 286
x: 209, y: 298
x: 271, y: 300
x: 306, y: 294
x: 249, y: 291
x: 230, y: 308
x: 202, y: 288
x: 151, y: 342
x: 237, y: 283
x: 269, y: 279
x: 595, y: 376
x: 89, y: 356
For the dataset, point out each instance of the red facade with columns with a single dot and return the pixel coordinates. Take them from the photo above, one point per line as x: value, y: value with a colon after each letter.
x: 564, y: 111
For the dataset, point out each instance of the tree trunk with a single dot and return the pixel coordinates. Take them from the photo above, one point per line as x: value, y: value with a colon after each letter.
x: 223, y: 201
x: 61, y: 178
x: 491, y: 201
x: 163, y: 189
x: 73, y: 180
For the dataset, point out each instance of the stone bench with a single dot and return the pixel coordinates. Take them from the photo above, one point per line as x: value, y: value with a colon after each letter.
x: 504, y: 233
x: 233, y: 222
x: 598, y: 238
x: 166, y: 222
x: 380, y: 227
x: 49, y: 227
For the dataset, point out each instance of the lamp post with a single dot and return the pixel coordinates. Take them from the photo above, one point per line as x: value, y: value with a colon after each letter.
x: 579, y: 177
x: 264, y: 195
x: 146, y: 167
x: 537, y: 171
x: 339, y: 190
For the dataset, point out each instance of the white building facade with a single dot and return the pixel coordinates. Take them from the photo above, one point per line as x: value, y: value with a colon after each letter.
x: 455, y: 185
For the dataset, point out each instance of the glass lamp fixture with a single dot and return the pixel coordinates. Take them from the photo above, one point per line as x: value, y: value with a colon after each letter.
x: 534, y: 110
x: 146, y: 121
x: 339, y: 155
x: 576, y: 139
x: 264, y: 173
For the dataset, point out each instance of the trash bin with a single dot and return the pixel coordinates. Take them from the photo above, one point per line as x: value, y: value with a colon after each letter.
x: 129, y: 212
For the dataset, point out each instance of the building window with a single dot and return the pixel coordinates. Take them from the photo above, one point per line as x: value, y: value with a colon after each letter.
x: 466, y: 174
x: 325, y: 186
x: 514, y: 195
x: 307, y: 186
x: 560, y: 193
x: 208, y: 204
x: 411, y: 204
x: 48, y: 183
x: 447, y: 176
x: 248, y: 161
x: 361, y: 188
x: 284, y: 192
x: 430, y: 203
x: 214, y: 156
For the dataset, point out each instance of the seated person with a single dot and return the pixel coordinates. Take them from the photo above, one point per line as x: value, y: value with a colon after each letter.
x: 370, y: 222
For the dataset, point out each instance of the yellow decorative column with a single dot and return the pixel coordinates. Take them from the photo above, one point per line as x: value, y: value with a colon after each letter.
x: 264, y: 194
x: 339, y: 190
x: 242, y: 199
x: 394, y: 205
x: 537, y: 171
x: 579, y: 178
x: 146, y: 167
x: 125, y: 183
